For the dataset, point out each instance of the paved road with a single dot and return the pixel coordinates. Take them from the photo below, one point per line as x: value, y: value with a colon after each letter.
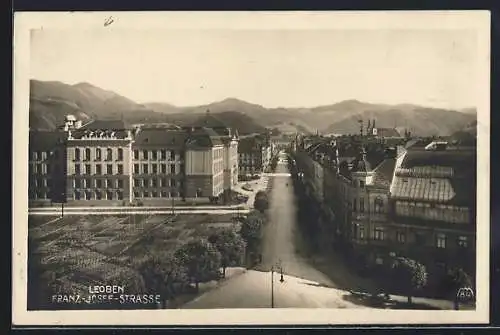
x: 142, y: 211
x: 303, y: 285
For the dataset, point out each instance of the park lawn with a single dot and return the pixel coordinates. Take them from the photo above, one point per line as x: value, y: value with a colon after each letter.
x: 93, y: 249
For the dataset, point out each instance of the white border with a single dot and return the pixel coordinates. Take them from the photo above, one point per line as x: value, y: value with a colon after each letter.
x: 24, y: 21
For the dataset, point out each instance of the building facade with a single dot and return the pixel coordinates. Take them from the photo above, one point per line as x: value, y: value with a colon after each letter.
x: 413, y: 202
x: 254, y: 154
x: 102, y: 162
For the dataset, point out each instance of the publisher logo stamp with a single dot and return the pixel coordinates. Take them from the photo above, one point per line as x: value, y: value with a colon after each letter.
x: 465, y: 294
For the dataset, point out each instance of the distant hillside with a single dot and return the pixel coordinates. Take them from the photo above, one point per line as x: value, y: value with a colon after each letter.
x: 52, y: 101
x: 419, y: 120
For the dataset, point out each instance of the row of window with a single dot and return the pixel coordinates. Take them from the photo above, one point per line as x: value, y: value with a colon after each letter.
x: 154, y: 154
x: 97, y: 195
x: 98, y: 154
x: 218, y: 166
x: 97, y: 169
x: 43, y: 155
x: 432, y: 212
x: 379, y: 234
x: 97, y: 183
x: 153, y: 182
x: 156, y: 194
x: 156, y: 168
x: 378, y: 205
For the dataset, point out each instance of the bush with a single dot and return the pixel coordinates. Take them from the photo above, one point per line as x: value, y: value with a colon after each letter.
x: 261, y: 202
x: 230, y: 245
x: 251, y: 229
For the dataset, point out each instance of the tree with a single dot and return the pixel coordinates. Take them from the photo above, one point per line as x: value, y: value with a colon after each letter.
x: 200, y: 259
x: 261, y: 202
x: 409, y: 275
x: 160, y: 273
x: 230, y: 245
x: 251, y: 229
x: 457, y: 279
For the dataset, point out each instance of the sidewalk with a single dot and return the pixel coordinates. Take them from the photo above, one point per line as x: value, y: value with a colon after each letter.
x: 257, y: 185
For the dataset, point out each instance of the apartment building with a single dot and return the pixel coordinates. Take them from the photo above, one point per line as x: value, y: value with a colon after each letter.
x: 412, y: 202
x: 158, y: 163
x: 98, y: 157
x: 103, y: 162
x: 254, y: 154
x: 47, y: 167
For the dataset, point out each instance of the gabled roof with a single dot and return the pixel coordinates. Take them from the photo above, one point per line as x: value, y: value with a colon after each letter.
x: 447, y: 177
x: 203, y: 137
x: 160, y: 136
x: 383, y: 174
x: 45, y: 140
x: 387, y: 132
x: 104, y: 125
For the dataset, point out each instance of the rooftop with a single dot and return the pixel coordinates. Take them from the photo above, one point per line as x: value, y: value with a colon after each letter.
x: 45, y: 140
x: 160, y: 137
x: 104, y: 125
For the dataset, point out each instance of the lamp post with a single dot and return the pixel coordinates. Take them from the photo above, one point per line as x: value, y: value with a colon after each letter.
x: 276, y: 268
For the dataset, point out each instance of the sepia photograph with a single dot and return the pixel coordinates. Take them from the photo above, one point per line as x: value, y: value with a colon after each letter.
x: 255, y: 168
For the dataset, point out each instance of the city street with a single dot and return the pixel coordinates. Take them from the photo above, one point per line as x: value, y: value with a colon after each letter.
x: 304, y: 286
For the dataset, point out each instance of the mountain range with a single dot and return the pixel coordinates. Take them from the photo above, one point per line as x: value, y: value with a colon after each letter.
x: 51, y: 101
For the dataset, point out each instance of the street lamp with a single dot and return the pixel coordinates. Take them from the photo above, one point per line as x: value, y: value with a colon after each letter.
x: 274, y: 268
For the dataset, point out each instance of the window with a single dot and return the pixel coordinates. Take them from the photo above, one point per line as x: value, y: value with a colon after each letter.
x: 136, y: 168
x: 378, y: 234
x: 98, y: 195
x: 98, y: 155
x: 77, y: 154
x: 163, y: 168
x: 137, y: 182
x: 361, y: 232
x: 154, y: 155
x: 361, y: 183
x: 98, y: 183
x: 172, y: 182
x: 163, y: 154
x: 154, y: 194
x: 378, y: 205
x: 164, y: 194
x: 145, y: 169
x: 144, y: 154
x: 109, y: 195
x: 109, y: 169
x: 354, y: 205
x: 154, y: 167
x: 154, y: 183
x: 87, y: 154
x: 361, y: 205
x: 136, y: 154
x: 146, y: 194
x: 172, y: 155
x: 76, y: 195
x: 109, y: 154
x: 199, y: 193
x: 172, y: 168
x: 120, y: 169
x: 109, y: 184
x: 119, y: 195
x: 88, y: 195
x: 77, y: 169
x: 462, y: 241
x: 98, y: 169
x: 401, y: 237
x: 136, y: 195
x: 87, y: 169
x: 441, y: 241
x: 120, y: 154
x: 78, y: 183
x: 119, y: 183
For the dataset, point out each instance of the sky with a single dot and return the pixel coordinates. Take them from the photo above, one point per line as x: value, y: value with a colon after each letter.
x: 274, y: 68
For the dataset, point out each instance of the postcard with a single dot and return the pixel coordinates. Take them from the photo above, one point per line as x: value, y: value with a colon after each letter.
x: 251, y: 168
